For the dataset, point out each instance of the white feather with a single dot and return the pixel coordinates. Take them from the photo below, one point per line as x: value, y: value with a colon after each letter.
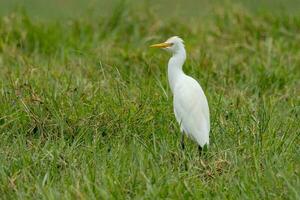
x: 190, y: 103
x: 191, y: 109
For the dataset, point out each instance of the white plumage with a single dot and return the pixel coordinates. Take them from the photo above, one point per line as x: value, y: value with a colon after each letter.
x: 190, y: 103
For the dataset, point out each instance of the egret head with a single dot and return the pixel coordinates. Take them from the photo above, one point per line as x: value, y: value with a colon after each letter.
x: 173, y: 44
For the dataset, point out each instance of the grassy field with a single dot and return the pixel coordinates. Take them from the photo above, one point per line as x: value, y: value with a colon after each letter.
x: 86, y: 111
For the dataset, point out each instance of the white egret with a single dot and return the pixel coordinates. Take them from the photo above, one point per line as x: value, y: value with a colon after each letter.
x: 190, y: 103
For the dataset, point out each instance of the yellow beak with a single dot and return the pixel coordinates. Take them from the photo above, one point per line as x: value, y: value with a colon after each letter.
x: 161, y: 45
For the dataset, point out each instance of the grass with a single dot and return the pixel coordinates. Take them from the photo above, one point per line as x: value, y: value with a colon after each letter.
x: 86, y: 111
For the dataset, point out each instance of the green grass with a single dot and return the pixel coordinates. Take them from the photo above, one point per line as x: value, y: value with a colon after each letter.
x: 86, y: 111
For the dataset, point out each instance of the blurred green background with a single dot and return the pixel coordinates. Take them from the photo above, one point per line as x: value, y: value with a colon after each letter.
x: 63, y: 9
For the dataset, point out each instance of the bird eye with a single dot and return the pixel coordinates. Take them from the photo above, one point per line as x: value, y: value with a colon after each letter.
x: 171, y: 44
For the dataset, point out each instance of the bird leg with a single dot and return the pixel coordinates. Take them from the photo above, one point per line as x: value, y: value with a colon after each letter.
x: 200, y: 150
x: 182, y: 141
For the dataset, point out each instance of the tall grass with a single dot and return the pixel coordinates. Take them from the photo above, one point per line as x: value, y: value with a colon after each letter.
x: 86, y: 111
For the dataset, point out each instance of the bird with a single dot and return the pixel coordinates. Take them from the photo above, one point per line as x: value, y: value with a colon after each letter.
x: 189, y: 101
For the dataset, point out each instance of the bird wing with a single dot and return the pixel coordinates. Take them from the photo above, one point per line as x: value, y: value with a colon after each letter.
x: 191, y: 110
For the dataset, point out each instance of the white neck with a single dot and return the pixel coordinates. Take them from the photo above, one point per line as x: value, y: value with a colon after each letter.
x: 175, y: 67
